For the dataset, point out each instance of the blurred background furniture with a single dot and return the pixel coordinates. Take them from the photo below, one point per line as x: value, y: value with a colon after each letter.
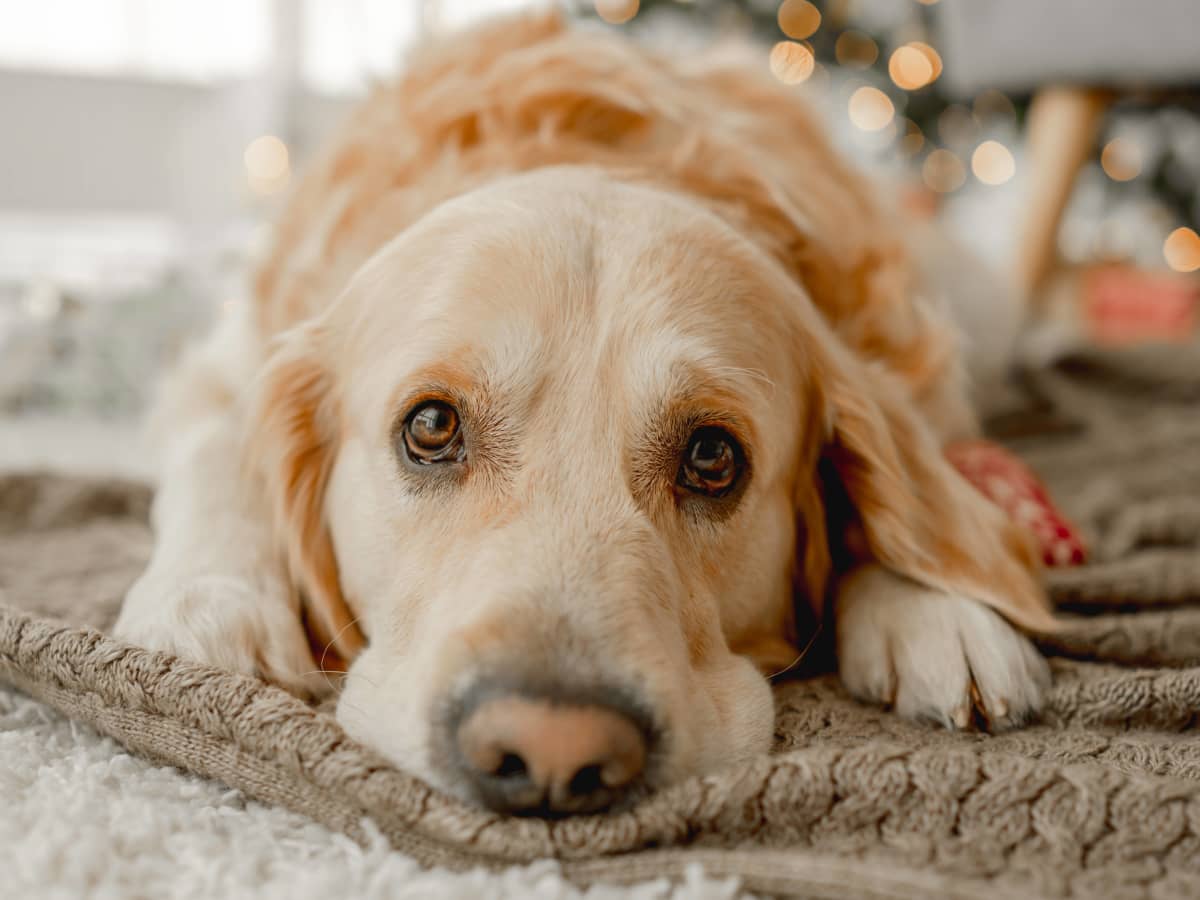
x: 1078, y: 58
x: 147, y: 144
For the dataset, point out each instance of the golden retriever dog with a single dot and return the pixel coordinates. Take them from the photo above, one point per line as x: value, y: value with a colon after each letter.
x: 573, y: 373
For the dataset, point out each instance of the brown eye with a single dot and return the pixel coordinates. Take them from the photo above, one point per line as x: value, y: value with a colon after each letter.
x: 432, y: 434
x: 712, y: 462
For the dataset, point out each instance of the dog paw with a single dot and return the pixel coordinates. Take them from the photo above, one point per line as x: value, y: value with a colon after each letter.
x: 250, y: 626
x: 934, y: 657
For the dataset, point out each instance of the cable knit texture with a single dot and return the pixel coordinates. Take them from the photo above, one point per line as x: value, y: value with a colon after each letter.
x: 1101, y: 798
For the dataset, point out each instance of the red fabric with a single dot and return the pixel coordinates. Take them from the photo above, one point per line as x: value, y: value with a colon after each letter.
x: 1010, y: 484
x: 1123, y: 305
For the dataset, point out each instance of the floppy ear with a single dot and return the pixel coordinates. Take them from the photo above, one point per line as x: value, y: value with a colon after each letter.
x: 891, y: 496
x: 292, y: 447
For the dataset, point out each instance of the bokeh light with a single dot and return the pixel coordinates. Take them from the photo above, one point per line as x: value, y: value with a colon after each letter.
x: 910, y: 68
x: 912, y: 140
x: 871, y: 109
x: 993, y: 104
x: 935, y: 59
x: 838, y: 12
x: 943, y: 171
x: 791, y: 62
x: 879, y: 139
x: 1181, y: 250
x: 267, y: 164
x: 855, y: 49
x: 616, y: 12
x: 957, y: 125
x: 1121, y: 159
x: 821, y: 80
x: 993, y: 163
x: 798, y: 19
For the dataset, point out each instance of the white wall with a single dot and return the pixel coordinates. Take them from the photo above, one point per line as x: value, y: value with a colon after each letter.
x: 77, y: 144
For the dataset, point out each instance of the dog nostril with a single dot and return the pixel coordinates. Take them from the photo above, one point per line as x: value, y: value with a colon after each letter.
x: 523, y: 754
x: 511, y: 765
x: 586, y: 781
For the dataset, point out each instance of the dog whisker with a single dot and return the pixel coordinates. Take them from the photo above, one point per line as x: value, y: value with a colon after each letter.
x: 351, y: 624
x: 803, y: 653
x: 752, y: 374
x: 329, y: 646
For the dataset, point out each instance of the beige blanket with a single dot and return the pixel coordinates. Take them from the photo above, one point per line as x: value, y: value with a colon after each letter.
x: 1100, y: 799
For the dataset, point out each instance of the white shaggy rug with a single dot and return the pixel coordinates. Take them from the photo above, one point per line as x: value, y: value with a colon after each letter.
x: 83, y: 818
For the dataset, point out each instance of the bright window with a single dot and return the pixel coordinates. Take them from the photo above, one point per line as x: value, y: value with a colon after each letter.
x: 455, y: 13
x: 343, y: 44
x: 348, y: 43
x: 170, y: 39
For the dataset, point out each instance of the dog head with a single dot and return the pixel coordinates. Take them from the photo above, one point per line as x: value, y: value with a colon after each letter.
x: 554, y: 451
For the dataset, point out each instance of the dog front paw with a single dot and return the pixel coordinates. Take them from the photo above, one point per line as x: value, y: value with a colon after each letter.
x: 245, y: 625
x: 934, y: 657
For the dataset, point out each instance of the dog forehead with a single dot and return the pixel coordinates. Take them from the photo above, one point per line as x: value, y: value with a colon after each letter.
x: 574, y: 271
x: 568, y: 244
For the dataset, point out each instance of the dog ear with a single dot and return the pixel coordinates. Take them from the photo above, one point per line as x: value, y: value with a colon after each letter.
x: 889, y: 495
x: 291, y: 449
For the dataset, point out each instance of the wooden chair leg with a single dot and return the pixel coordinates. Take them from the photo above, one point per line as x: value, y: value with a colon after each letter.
x: 1063, y: 122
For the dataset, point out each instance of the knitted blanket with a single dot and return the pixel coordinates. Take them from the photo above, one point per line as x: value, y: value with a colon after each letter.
x: 1101, y: 798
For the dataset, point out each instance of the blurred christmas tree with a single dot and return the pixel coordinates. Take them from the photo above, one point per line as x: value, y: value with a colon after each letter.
x: 883, y: 56
x: 889, y: 43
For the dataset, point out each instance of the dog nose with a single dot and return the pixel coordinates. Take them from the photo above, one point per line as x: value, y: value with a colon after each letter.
x: 534, y: 755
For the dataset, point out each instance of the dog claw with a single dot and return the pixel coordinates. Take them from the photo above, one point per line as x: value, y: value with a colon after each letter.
x: 962, y: 716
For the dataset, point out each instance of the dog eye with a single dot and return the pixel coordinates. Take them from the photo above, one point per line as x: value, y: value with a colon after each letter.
x: 712, y: 463
x: 432, y: 434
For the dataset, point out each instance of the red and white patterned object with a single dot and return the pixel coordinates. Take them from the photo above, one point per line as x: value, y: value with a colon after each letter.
x: 1123, y: 305
x: 1010, y: 484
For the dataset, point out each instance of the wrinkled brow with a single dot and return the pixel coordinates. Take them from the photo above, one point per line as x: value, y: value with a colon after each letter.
x: 682, y: 394
x: 505, y: 362
x: 680, y: 369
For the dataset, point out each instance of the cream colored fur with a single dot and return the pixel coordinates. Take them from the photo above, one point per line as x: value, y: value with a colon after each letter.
x: 585, y: 249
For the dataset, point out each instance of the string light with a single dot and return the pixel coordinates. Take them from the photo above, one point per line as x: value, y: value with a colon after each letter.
x: 791, y: 62
x: 853, y: 48
x: 267, y: 164
x: 1181, y: 250
x: 910, y: 68
x: 992, y: 163
x: 617, y: 12
x: 943, y: 171
x: 871, y: 109
x: 798, y: 19
x: 1121, y: 159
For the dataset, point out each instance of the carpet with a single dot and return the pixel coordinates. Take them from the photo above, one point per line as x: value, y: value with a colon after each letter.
x: 1099, y: 799
x: 85, y: 819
